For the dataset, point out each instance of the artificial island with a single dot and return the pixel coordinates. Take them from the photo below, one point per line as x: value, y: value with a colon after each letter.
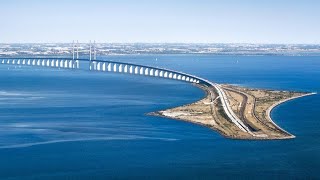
x: 251, y: 106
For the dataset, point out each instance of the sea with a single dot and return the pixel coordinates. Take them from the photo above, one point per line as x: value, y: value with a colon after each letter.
x: 79, y: 124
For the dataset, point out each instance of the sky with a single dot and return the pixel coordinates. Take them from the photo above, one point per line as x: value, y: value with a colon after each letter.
x: 160, y: 21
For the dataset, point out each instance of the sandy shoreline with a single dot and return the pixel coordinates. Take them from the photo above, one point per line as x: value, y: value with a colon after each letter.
x: 279, y: 103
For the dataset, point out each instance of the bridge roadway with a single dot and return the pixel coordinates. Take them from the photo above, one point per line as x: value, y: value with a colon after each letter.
x: 129, y: 68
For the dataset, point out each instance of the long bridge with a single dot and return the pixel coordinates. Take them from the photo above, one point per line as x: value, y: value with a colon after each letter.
x: 131, y: 69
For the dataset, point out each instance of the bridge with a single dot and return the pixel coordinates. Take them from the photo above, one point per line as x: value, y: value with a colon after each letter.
x: 131, y: 69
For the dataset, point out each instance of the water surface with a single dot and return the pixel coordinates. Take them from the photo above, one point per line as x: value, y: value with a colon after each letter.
x: 61, y: 124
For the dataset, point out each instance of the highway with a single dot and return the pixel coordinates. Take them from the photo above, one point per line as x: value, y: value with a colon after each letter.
x: 225, y: 104
x: 227, y: 109
x: 244, y: 106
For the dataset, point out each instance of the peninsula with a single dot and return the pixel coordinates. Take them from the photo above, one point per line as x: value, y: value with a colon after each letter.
x: 251, y: 106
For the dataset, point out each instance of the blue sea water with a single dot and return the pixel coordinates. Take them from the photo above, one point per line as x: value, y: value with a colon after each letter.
x: 76, y: 124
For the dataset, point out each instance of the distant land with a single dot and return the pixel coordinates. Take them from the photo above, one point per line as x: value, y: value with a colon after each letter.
x: 37, y: 49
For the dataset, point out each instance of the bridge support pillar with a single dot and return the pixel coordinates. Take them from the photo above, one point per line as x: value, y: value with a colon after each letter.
x: 77, y: 64
x: 146, y: 72
x: 71, y: 64
x: 120, y: 68
x: 161, y: 74
x: 98, y: 66
x: 115, y: 68
x: 65, y: 65
x: 174, y: 76
x: 61, y: 63
x: 104, y: 66
x: 165, y: 74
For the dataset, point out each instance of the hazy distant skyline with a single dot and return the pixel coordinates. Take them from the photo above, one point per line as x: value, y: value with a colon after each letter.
x: 162, y: 21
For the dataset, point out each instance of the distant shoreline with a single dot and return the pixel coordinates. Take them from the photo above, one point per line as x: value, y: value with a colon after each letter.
x: 140, y: 48
x: 178, y: 54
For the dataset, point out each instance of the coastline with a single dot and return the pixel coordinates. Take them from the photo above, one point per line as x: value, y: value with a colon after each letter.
x: 198, y: 113
x: 278, y: 104
x: 158, y: 114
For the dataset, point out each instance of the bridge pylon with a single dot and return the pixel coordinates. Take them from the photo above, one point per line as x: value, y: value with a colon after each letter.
x: 92, y: 52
